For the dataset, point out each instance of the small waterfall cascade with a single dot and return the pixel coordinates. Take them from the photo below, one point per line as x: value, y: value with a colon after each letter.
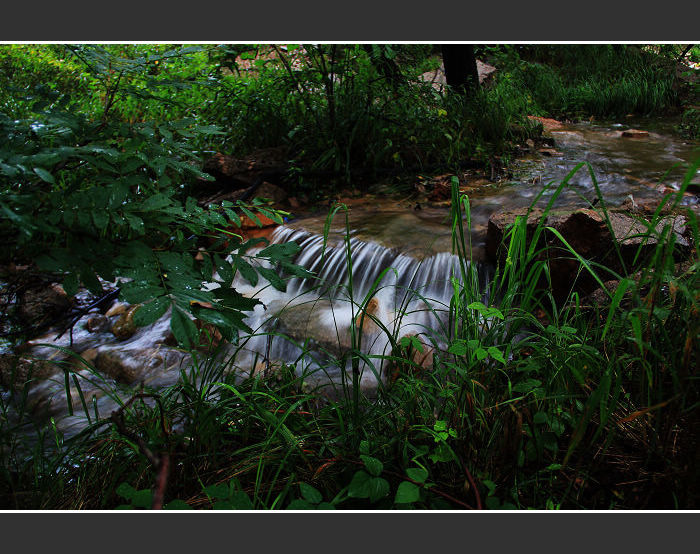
x: 387, y: 294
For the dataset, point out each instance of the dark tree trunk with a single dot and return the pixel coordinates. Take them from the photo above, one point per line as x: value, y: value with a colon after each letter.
x: 460, y: 67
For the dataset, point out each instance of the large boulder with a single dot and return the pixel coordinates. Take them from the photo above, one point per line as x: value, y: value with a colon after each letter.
x: 237, y: 173
x: 621, y: 242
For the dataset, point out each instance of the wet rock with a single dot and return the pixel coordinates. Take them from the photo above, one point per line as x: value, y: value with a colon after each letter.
x: 315, y: 322
x: 125, y: 327
x: 98, y: 324
x: 365, y: 320
x: 209, y: 336
x: 239, y: 173
x: 39, y: 306
x: 549, y: 152
x: 548, y: 124
x: 588, y: 233
x: 117, y: 308
x: 438, y: 80
x: 271, y: 192
x: 635, y: 133
x: 16, y: 370
x: 128, y: 365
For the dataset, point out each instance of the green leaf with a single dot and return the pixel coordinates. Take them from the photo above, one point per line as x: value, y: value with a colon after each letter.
x: 219, y: 491
x: 142, y: 499
x: 136, y: 292
x: 155, y: 202
x: 481, y: 353
x: 440, y: 425
x: 495, y: 353
x: 151, y: 312
x: 411, y: 342
x: 378, y: 488
x: 135, y: 222
x: 183, y: 328
x: 277, y: 252
x: 125, y: 490
x: 373, y: 465
x: 240, y: 501
x: 300, y: 504
x: 310, y: 493
x: 100, y: 218
x: 407, y: 493
x: 247, y: 271
x: 71, y: 284
x: 417, y: 474
x: 364, y: 447
x: 527, y: 385
x: 177, y: 505
x: 45, y: 175
x: 359, y: 485
x: 224, y: 269
x: 273, y: 278
x: 458, y: 348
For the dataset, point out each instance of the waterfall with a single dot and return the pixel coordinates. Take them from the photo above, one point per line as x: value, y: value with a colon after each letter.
x: 309, y: 325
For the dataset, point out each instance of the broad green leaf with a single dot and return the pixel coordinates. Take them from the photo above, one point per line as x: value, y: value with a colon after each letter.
x: 125, y: 490
x: 300, y: 504
x: 458, y: 348
x: 247, y: 271
x: 224, y: 269
x: 273, y: 278
x: 177, y: 505
x: 71, y: 284
x: 279, y: 251
x: 142, y: 498
x: 45, y: 175
x: 155, y: 202
x: 407, y: 493
x: 100, y: 218
x: 240, y: 501
x: 151, y: 312
x: 495, y: 353
x: 378, y: 488
x: 136, y: 292
x: 373, y: 465
x: 219, y: 491
x: 183, y: 328
x: 417, y: 474
x: 310, y: 493
x: 359, y: 485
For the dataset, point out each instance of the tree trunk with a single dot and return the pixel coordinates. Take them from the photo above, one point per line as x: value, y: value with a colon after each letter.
x: 460, y: 67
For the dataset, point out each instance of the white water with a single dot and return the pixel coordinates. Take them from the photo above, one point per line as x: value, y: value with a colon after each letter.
x: 310, y: 324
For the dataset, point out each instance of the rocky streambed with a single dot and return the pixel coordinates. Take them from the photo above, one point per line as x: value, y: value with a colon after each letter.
x: 402, y: 265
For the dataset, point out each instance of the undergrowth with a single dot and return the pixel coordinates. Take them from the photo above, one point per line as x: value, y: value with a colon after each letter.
x: 532, y: 402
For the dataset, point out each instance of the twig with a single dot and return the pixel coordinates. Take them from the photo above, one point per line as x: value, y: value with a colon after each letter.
x: 82, y: 311
x: 161, y: 463
x: 476, y: 490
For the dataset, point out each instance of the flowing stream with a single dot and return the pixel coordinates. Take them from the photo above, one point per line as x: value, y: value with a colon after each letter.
x: 401, y: 277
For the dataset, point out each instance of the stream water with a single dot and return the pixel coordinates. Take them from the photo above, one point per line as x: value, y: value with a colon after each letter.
x: 401, y: 270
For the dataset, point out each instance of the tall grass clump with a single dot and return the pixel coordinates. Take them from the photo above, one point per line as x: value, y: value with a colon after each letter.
x: 580, y: 81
